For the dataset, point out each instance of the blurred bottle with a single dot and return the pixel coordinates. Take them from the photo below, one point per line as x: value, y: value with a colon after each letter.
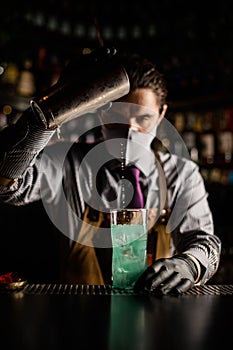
x: 207, y: 139
x: 26, y: 84
x: 225, y: 139
x: 179, y: 122
x: 56, y: 69
x: 9, y: 78
x: 42, y: 69
x: 190, y: 136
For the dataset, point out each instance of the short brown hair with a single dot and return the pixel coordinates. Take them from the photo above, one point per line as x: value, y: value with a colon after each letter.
x: 143, y: 73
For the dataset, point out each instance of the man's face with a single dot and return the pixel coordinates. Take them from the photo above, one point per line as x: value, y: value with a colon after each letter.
x: 139, y: 111
x: 130, y: 125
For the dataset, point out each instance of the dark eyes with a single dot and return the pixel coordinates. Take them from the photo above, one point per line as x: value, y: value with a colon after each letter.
x: 119, y: 118
x: 143, y: 118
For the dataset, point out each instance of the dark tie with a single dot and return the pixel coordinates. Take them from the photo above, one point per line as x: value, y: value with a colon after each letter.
x: 132, y: 173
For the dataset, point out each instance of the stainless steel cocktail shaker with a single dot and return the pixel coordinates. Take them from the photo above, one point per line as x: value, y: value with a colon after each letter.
x: 88, y: 83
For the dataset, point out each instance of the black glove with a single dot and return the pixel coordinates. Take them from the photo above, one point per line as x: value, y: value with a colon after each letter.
x: 168, y: 276
x: 19, y: 145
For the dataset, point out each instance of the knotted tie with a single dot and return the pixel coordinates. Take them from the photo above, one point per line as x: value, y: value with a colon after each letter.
x: 132, y: 173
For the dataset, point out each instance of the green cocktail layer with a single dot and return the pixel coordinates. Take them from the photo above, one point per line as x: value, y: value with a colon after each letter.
x: 129, y: 254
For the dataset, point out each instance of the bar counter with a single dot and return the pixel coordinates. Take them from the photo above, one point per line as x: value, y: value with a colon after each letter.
x: 57, y: 316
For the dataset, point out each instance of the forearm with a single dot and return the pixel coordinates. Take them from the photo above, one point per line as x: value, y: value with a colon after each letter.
x: 206, y: 249
x: 19, y: 146
x: 194, y: 233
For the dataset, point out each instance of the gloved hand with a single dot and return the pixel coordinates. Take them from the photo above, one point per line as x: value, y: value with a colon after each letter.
x: 19, y: 145
x: 173, y: 276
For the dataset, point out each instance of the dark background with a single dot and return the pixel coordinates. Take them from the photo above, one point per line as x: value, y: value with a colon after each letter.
x: 190, y: 41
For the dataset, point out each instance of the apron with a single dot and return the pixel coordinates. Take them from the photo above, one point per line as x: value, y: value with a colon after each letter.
x: 92, y: 266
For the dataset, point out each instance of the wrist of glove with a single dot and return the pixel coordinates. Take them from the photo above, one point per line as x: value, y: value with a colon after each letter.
x: 172, y: 276
x: 26, y: 133
x: 19, y: 145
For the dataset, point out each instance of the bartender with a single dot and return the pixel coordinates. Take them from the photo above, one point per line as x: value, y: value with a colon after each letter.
x: 79, y: 183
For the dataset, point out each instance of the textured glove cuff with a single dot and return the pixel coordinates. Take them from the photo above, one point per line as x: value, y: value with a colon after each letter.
x: 195, y: 270
x: 25, y: 140
x: 198, y: 267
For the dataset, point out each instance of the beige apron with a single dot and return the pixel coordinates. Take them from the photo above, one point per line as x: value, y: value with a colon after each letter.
x: 82, y: 265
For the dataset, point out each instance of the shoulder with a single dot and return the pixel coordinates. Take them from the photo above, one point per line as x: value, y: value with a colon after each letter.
x: 169, y: 159
x: 178, y: 167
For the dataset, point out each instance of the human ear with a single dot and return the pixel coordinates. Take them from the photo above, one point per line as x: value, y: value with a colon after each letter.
x: 163, y: 112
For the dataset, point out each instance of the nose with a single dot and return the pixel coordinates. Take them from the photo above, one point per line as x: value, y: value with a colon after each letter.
x: 125, y: 125
x: 129, y: 123
x: 133, y: 124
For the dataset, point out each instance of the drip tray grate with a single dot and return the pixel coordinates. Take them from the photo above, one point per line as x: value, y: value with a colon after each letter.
x: 77, y: 289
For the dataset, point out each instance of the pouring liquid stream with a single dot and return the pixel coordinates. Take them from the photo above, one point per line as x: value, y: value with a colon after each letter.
x: 122, y: 194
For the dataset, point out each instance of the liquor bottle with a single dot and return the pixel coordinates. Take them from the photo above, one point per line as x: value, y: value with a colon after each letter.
x: 56, y: 69
x: 9, y: 78
x: 190, y: 136
x: 179, y: 122
x: 207, y: 139
x: 225, y: 139
x: 26, y: 84
x: 42, y: 69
